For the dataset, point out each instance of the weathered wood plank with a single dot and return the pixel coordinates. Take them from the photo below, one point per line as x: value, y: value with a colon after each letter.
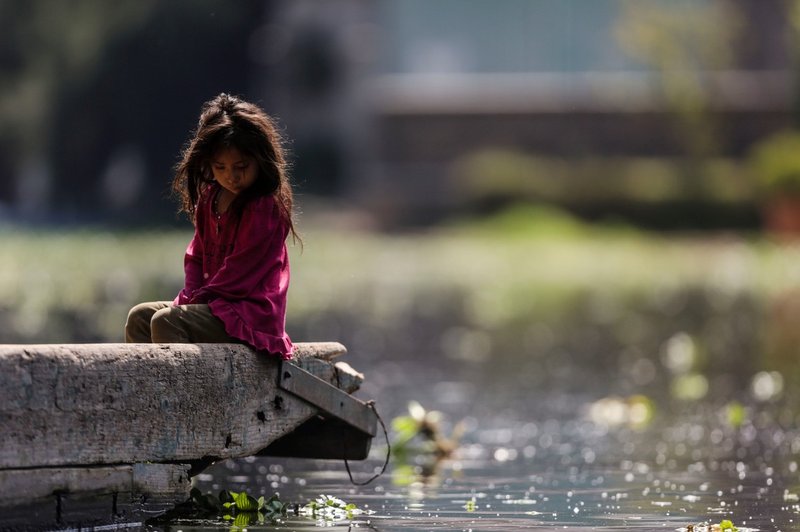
x: 81, y: 404
x: 320, y: 350
x: 340, y: 374
x: 127, y: 483
x: 327, y: 398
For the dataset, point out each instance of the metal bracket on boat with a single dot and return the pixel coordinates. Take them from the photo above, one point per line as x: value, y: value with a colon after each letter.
x: 328, y: 398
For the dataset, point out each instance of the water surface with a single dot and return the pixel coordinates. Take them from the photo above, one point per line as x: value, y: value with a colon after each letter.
x: 534, y: 458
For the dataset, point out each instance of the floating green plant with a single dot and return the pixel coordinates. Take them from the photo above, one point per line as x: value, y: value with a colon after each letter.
x: 726, y: 525
x: 420, y: 445
x: 238, y: 507
x: 242, y: 510
x: 424, y: 426
x: 329, y: 508
x: 471, y: 505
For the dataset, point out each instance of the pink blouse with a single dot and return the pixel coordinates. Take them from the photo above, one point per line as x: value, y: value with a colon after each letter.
x: 240, y: 268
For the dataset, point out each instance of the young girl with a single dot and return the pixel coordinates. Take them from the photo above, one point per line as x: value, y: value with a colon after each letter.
x: 232, y: 182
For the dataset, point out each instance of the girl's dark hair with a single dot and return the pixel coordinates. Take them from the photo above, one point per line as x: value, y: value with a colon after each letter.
x: 229, y: 122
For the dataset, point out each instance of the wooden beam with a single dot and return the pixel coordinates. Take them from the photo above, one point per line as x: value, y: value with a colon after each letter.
x: 85, y: 404
x: 327, y: 398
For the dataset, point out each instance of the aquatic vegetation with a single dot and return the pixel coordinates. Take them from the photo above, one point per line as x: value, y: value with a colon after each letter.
x: 241, y: 510
x: 471, y: 505
x: 251, y: 509
x: 726, y: 525
x: 421, y: 446
x: 238, y: 507
x: 424, y: 427
x: 329, y: 508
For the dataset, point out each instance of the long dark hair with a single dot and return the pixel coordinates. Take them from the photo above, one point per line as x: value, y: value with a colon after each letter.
x: 227, y: 121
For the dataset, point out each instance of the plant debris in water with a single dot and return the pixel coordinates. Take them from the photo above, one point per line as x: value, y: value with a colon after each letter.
x: 238, y: 507
x: 424, y: 427
x: 328, y: 508
x: 726, y: 525
x: 242, y: 510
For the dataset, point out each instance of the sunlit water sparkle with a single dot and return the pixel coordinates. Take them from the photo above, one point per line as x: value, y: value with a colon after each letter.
x: 532, y: 465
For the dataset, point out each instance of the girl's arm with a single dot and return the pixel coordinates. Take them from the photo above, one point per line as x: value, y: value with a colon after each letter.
x: 258, y: 249
x: 193, y: 270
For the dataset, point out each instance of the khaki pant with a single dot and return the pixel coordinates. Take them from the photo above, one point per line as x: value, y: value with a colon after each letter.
x: 160, y: 322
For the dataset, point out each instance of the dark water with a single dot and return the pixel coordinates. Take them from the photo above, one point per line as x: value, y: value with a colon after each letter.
x: 542, y: 458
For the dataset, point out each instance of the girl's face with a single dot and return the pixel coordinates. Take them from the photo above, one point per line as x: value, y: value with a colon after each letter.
x: 233, y: 170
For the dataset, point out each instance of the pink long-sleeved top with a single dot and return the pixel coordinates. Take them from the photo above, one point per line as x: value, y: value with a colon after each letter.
x: 240, y: 268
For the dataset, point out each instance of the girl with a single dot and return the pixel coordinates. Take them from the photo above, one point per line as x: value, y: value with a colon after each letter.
x: 232, y: 182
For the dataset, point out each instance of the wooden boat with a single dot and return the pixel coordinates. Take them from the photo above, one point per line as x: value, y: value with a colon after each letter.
x: 123, y: 423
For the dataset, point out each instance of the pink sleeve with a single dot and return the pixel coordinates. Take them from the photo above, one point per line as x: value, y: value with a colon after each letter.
x: 193, y: 270
x: 252, y: 257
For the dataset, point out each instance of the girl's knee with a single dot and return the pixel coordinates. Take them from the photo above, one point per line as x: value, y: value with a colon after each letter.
x: 159, y: 319
x: 165, y: 326
x: 137, y: 325
x: 142, y: 311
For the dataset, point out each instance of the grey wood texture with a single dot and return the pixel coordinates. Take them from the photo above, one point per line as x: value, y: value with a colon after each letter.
x: 88, y: 404
x: 128, y: 482
x: 320, y: 350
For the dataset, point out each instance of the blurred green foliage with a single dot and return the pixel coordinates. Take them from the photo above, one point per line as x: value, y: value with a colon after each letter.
x: 60, y: 286
x: 682, y: 41
x: 508, y: 175
x: 657, y: 192
x: 528, y: 220
x: 775, y: 162
x: 505, y: 263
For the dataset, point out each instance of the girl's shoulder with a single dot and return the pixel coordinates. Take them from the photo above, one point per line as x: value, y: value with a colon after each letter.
x: 262, y: 204
x: 263, y: 211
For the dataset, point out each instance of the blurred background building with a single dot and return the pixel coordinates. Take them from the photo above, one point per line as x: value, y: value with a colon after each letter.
x: 408, y: 110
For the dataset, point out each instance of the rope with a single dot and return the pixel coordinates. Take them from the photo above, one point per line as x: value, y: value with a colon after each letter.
x: 371, y: 404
